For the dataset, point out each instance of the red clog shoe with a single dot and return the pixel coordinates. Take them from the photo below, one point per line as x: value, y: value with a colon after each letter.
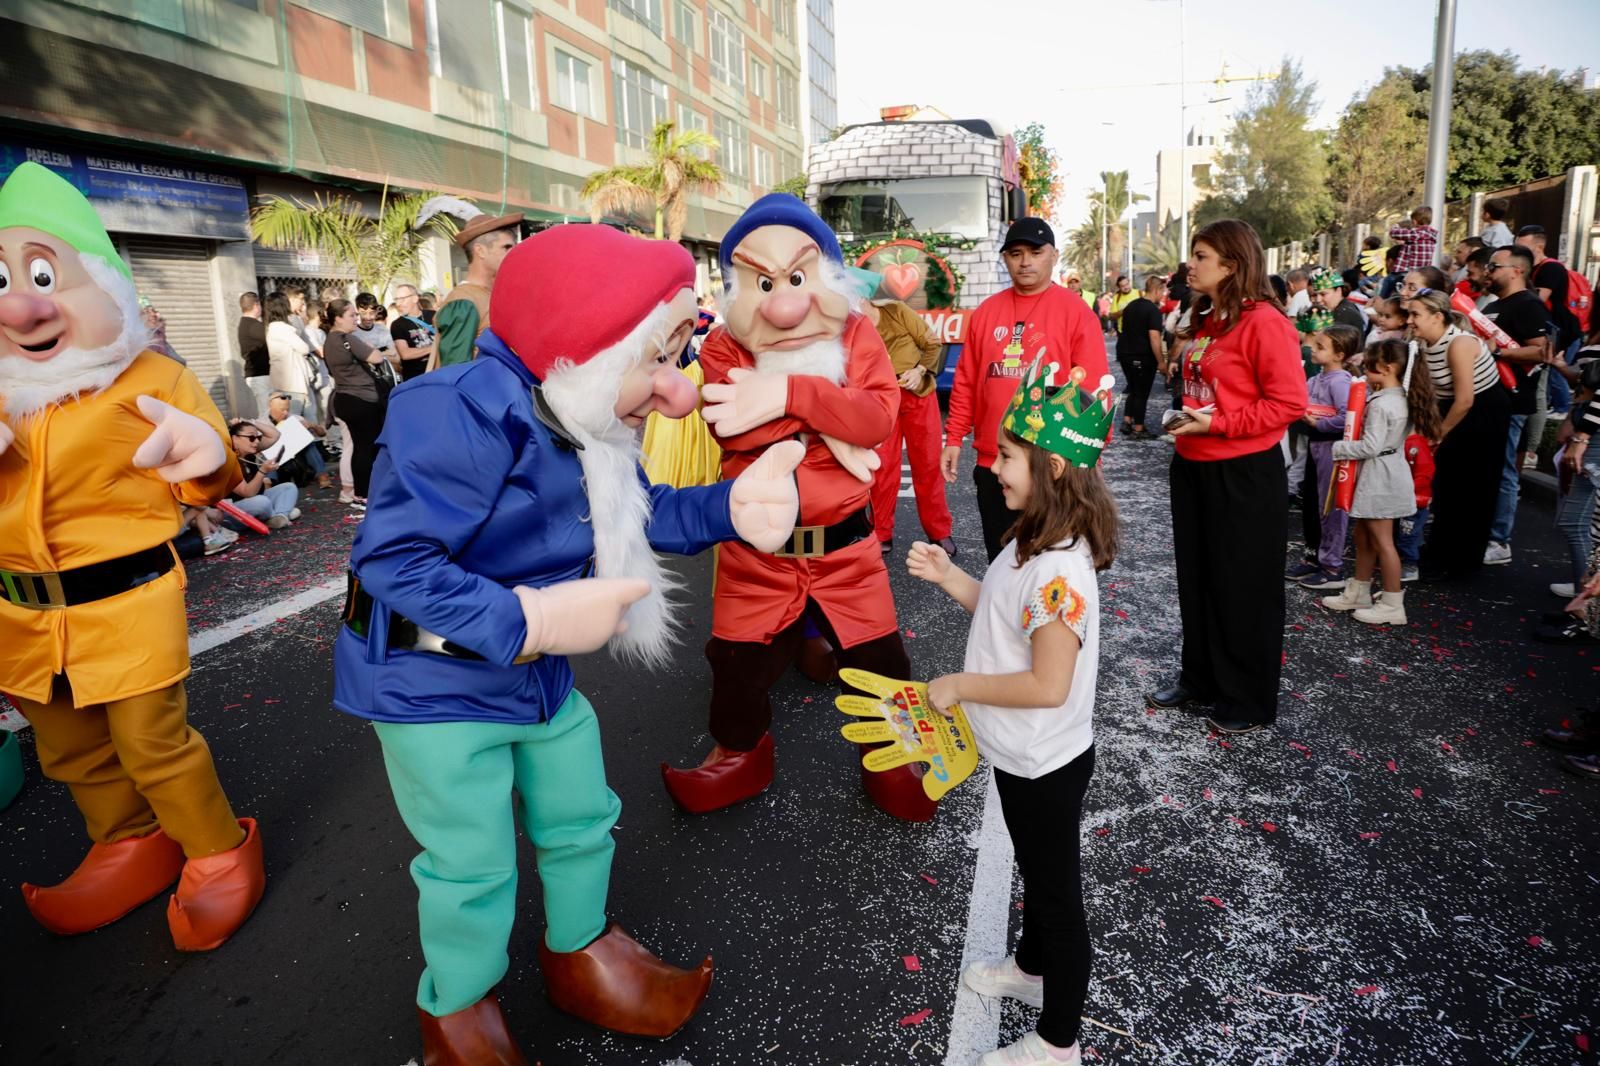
x: 617, y: 984
x: 474, y: 1036
x: 739, y: 776
x: 217, y: 893
x: 111, y: 880
x: 898, y: 792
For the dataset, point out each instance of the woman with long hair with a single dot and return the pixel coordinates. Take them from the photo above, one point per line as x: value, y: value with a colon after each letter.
x: 1472, y: 445
x: 360, y: 390
x: 1242, y: 385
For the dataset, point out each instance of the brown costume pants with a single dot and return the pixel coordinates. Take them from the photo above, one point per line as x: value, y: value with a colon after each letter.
x: 134, y: 765
x: 743, y: 673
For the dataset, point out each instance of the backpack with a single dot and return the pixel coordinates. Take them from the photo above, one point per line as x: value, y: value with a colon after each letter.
x: 1419, y: 457
x: 1580, y: 299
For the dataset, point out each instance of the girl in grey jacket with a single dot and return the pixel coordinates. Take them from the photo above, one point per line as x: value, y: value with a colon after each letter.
x: 1397, y: 399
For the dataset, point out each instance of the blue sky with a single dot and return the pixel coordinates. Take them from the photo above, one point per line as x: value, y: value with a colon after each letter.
x: 1075, y: 66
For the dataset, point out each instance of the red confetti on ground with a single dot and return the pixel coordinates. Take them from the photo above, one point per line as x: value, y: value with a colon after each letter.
x: 231, y: 706
x: 1238, y: 821
x: 1417, y: 792
x: 1471, y: 732
x: 1383, y: 678
x: 1532, y: 674
x: 1270, y: 827
x: 1353, y: 754
x: 1393, y: 769
x: 910, y: 635
x: 1225, y: 744
x: 1214, y: 901
x: 930, y: 880
x: 1366, y: 990
x: 1370, y: 836
x: 912, y: 963
x: 1297, y: 746
x: 917, y: 1018
x: 1444, y: 745
x: 1141, y: 869
x: 1582, y: 1040
x: 1549, y: 792
x: 1535, y: 941
x: 1102, y: 831
x: 1120, y: 613
x: 1205, y: 793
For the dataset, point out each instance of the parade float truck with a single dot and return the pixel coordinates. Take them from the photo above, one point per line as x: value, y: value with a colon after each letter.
x: 924, y: 201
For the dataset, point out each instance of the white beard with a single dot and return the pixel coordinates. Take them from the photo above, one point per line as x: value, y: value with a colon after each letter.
x: 28, y: 386
x: 823, y: 359
x: 584, y: 397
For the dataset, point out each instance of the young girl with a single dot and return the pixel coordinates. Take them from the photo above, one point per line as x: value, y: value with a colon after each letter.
x: 1388, y: 320
x: 1028, y: 689
x: 1397, y: 397
x: 1324, y: 529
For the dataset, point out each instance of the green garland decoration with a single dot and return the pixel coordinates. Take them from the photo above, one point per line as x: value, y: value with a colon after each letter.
x: 940, y: 295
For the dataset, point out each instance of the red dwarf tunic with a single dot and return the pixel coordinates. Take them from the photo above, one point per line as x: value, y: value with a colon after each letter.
x: 758, y: 595
x: 1252, y: 374
x: 1056, y: 322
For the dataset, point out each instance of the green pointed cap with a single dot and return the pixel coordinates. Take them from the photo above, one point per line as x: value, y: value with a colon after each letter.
x: 38, y: 198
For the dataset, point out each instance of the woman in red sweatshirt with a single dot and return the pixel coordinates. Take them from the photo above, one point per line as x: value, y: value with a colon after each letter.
x: 1242, y: 386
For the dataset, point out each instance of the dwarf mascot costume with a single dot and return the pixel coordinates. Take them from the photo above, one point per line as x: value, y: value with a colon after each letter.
x: 795, y: 362
x: 101, y: 440
x: 510, y: 526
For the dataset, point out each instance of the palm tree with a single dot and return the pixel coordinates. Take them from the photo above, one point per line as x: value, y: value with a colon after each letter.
x: 378, y: 249
x: 679, y: 164
x: 1108, y: 202
x: 1161, y: 252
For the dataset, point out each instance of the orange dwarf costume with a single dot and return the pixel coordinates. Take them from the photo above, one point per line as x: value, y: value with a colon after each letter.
x: 100, y: 442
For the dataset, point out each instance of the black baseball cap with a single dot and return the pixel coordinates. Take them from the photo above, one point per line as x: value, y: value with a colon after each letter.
x: 1034, y: 231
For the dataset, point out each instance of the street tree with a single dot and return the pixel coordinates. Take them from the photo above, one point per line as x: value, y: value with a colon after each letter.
x: 378, y: 249
x: 1106, y: 205
x: 679, y: 163
x: 1161, y: 252
x: 1378, y: 153
x: 1041, y: 171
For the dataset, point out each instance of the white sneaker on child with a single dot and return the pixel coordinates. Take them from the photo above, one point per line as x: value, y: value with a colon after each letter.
x: 1002, y: 977
x: 1031, y: 1050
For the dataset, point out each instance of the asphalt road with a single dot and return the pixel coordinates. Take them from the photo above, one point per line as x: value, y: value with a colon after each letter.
x: 1396, y: 874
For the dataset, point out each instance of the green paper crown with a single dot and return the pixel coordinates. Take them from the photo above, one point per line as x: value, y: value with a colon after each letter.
x: 1064, y: 419
x: 38, y: 198
x: 1314, y: 320
x: 1326, y: 279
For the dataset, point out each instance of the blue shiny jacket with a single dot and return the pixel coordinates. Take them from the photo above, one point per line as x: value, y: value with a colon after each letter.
x: 472, y: 494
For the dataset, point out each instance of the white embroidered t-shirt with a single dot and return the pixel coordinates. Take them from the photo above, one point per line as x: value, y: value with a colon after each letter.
x: 1059, y: 583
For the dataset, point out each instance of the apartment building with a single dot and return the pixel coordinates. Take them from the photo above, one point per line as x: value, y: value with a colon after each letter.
x: 175, y: 116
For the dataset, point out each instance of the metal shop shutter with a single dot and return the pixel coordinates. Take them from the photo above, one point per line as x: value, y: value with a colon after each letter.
x: 176, y: 276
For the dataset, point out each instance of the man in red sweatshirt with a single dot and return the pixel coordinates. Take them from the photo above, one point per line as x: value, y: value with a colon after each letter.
x: 1006, y: 333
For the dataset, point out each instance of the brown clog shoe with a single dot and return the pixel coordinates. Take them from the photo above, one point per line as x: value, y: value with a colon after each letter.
x: 617, y: 984
x: 474, y: 1036
x: 111, y: 880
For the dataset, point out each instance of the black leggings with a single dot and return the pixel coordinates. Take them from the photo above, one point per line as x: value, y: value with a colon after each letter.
x: 1042, y: 815
x: 365, y: 419
x: 1140, y: 372
x: 1466, y: 485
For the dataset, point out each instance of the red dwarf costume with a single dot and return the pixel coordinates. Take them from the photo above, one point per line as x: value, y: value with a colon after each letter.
x: 794, y: 362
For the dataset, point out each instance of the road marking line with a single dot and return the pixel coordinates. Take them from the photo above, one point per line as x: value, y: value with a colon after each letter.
x: 975, y: 1023
x: 207, y: 639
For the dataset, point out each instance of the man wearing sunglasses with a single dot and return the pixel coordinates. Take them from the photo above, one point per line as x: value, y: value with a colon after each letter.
x: 257, y: 495
x: 1521, y: 314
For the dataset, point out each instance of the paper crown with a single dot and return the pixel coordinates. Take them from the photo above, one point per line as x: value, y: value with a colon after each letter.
x: 1064, y: 419
x: 1326, y: 279
x: 1314, y: 320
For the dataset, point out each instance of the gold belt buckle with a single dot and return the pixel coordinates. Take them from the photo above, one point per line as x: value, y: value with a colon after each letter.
x: 806, y: 543
x: 34, y: 592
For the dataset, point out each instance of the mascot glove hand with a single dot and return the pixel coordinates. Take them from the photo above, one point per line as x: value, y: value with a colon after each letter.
x: 748, y: 400
x: 182, y: 448
x: 6, y: 437
x: 576, y: 617
x: 765, y: 501
x: 861, y: 463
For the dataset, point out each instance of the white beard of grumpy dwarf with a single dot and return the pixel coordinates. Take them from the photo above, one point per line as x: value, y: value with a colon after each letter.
x: 603, y: 403
x: 71, y: 329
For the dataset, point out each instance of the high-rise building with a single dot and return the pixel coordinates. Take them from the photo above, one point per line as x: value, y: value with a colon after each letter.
x: 175, y: 117
x: 1181, y: 172
x: 822, y: 91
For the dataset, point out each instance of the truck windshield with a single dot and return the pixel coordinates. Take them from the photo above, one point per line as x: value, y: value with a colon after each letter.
x: 864, y: 208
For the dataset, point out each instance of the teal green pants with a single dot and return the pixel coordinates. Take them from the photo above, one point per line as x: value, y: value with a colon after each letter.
x: 453, y: 784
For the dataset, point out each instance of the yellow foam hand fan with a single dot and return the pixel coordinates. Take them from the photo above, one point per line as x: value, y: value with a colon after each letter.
x: 898, y: 714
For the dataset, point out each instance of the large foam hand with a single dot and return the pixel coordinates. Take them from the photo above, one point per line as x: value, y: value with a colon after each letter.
x: 6, y: 437
x: 899, y: 716
x: 575, y: 617
x: 860, y: 463
x: 182, y: 448
x: 765, y: 501
x: 747, y: 400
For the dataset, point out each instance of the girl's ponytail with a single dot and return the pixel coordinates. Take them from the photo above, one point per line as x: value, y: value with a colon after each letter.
x: 1421, y: 400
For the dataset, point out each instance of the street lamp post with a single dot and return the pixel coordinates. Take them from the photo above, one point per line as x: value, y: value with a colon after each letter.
x: 1439, y: 115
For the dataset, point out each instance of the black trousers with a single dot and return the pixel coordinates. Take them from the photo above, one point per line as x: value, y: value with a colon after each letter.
x: 1042, y: 815
x: 743, y: 673
x: 1466, y: 486
x: 996, y: 517
x: 1140, y: 372
x: 365, y: 419
x: 1230, y: 537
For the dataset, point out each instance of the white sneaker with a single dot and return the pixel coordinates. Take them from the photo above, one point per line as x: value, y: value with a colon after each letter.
x: 1408, y: 574
x: 294, y: 514
x: 1003, y: 978
x: 1388, y: 609
x: 1031, y: 1050
x: 1563, y: 590
x: 220, y: 541
x: 278, y: 521
x: 1356, y: 595
x: 1497, y: 554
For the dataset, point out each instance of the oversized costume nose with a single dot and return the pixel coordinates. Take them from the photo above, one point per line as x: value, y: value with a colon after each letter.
x: 673, y: 393
x: 24, y: 313
x: 786, y: 310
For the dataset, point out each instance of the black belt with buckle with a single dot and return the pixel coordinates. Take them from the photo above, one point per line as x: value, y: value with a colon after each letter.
x: 85, y: 584
x: 404, y: 634
x: 811, y: 542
